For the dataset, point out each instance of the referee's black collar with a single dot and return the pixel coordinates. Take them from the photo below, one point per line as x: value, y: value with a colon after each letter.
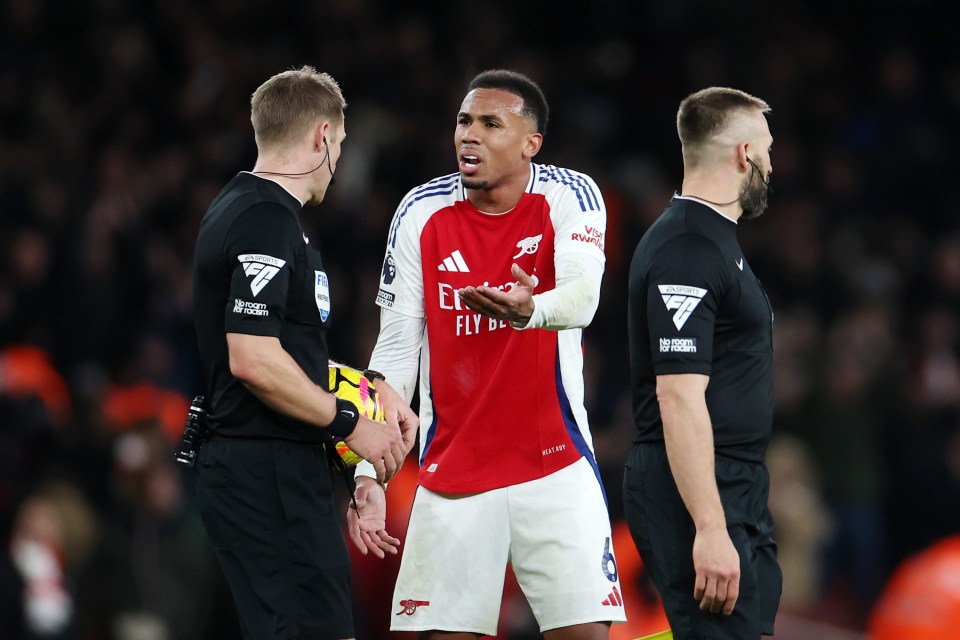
x: 283, y: 195
x: 708, y: 205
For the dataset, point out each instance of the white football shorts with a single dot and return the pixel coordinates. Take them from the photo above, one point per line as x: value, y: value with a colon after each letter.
x: 554, y: 530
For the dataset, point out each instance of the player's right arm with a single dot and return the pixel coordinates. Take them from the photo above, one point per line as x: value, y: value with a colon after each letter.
x: 397, y: 356
x: 401, y: 299
x: 688, y: 435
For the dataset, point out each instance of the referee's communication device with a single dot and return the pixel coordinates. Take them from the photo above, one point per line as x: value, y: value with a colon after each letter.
x: 194, y: 433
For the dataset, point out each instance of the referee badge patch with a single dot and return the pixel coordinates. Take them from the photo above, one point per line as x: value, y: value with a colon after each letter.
x: 682, y: 299
x: 321, y: 290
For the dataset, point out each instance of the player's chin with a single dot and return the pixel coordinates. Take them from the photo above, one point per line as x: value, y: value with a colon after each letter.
x: 472, y: 183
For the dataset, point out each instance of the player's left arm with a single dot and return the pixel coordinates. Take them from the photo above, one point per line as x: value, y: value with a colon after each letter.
x: 580, y: 219
x: 571, y: 304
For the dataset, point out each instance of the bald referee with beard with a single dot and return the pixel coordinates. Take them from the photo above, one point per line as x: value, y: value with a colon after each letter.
x: 700, y: 328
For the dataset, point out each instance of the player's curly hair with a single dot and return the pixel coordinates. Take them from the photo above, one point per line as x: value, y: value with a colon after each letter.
x: 534, y: 102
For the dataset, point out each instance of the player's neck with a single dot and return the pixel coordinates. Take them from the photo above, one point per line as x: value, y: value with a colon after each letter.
x: 502, y: 198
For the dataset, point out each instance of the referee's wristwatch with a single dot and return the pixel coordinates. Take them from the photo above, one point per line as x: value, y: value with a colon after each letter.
x: 373, y: 376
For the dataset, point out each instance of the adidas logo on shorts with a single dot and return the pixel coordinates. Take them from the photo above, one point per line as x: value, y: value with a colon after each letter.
x: 613, y: 599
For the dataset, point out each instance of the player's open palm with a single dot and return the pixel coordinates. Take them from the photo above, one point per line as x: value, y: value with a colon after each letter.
x: 367, y: 520
x: 717, y: 565
x: 514, y: 304
x: 380, y: 444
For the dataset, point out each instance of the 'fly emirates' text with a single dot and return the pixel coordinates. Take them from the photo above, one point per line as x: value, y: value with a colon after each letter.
x: 472, y: 323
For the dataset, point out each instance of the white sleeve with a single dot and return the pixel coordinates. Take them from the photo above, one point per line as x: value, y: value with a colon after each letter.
x: 401, y: 280
x: 580, y: 218
x: 397, y: 352
x: 572, y: 303
x: 397, y: 356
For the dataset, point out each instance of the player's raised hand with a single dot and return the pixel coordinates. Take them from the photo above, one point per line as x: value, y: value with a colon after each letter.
x: 717, y: 564
x: 514, y: 305
x: 398, y: 413
x: 367, y: 520
x: 379, y: 443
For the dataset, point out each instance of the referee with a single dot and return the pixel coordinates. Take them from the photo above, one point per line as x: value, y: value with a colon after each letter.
x: 700, y: 328
x: 262, y: 304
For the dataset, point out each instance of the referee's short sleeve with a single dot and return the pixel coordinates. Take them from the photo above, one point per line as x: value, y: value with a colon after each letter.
x: 260, y: 249
x: 686, y: 281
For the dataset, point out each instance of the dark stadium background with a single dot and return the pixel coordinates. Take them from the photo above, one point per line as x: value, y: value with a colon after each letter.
x: 119, y: 121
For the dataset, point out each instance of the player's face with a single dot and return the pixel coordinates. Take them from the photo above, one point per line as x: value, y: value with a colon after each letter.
x: 494, y: 139
x: 754, y: 192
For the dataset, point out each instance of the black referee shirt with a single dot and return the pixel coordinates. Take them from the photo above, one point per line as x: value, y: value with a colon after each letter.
x: 255, y: 272
x: 696, y: 307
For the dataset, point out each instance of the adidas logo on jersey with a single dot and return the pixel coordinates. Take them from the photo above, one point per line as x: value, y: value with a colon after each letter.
x: 614, y: 599
x: 455, y: 263
x: 682, y: 298
x: 261, y: 267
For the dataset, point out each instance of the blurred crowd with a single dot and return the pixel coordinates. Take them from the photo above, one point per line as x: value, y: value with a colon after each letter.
x: 120, y: 121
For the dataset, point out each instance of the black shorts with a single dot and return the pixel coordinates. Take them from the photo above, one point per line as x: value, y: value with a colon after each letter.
x: 268, y: 509
x: 663, y: 532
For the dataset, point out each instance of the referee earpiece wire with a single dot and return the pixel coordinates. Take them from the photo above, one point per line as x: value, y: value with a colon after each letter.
x: 716, y: 204
x: 325, y: 160
x: 326, y: 157
x: 753, y: 169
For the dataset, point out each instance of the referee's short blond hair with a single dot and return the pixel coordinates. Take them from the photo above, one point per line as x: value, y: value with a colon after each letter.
x: 706, y: 114
x: 285, y: 107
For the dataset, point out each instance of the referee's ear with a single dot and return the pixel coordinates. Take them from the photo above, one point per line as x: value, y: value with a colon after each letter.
x: 742, y: 157
x: 320, y: 135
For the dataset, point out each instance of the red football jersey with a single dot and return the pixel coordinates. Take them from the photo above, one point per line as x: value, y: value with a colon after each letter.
x: 498, y: 406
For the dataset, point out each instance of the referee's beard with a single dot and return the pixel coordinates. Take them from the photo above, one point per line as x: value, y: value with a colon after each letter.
x: 753, y: 197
